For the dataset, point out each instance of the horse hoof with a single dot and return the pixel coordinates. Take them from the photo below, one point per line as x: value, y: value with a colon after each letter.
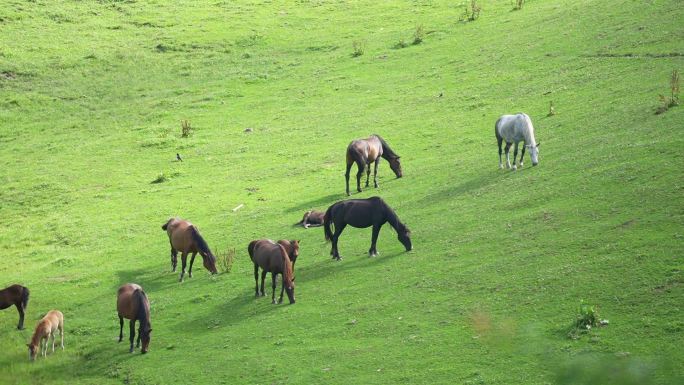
x: 130, y: 350
x: 515, y: 168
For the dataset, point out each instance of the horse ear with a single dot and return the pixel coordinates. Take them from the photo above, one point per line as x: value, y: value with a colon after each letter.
x: 538, y: 144
x: 29, y: 345
x: 150, y: 331
x: 299, y: 241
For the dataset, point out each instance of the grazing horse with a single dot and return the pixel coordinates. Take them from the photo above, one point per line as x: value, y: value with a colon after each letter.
x: 514, y: 129
x: 272, y: 257
x: 46, y: 328
x: 312, y: 218
x: 363, y: 213
x: 185, y: 237
x: 132, y: 304
x: 363, y: 152
x: 18, y: 296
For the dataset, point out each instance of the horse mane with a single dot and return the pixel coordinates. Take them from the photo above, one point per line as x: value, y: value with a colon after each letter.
x: 529, y: 133
x: 387, y: 152
x: 201, y: 243
x: 140, y: 312
x: 287, y: 265
x: 394, y: 221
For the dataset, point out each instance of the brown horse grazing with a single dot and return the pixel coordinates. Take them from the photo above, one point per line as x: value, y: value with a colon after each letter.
x: 185, y: 237
x: 132, y: 304
x: 363, y: 213
x: 363, y: 152
x: 18, y: 296
x: 312, y: 218
x: 46, y: 328
x: 272, y: 257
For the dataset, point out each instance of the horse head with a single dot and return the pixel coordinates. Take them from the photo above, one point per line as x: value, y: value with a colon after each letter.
x: 534, y: 153
x: 404, y: 236
x: 33, y: 351
x: 209, y: 262
x: 145, y: 337
x: 395, y: 165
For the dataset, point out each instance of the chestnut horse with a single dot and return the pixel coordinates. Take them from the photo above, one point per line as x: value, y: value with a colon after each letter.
x: 363, y: 152
x: 185, y: 237
x: 132, y: 304
x: 312, y: 218
x: 18, y: 296
x: 46, y: 328
x: 272, y: 257
x: 363, y: 213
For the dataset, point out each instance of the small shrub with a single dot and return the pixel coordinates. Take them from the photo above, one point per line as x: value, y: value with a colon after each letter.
x: 225, y: 260
x: 161, y: 178
x: 358, y: 47
x: 401, y: 44
x: 471, y: 11
x: 518, y: 5
x: 186, y: 129
x: 552, y: 110
x: 586, y: 318
x: 418, y: 34
x: 672, y: 100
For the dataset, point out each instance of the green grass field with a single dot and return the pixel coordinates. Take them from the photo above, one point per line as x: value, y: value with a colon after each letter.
x: 92, y: 94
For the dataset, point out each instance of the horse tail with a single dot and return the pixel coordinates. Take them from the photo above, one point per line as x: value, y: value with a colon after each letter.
x: 201, y: 243
x: 24, y: 297
x: 288, y: 275
x: 327, y: 219
x: 250, y: 249
x: 496, y: 129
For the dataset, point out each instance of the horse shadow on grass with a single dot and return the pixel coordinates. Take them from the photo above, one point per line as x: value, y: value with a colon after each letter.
x: 150, y: 279
x: 482, y: 181
x: 316, y: 203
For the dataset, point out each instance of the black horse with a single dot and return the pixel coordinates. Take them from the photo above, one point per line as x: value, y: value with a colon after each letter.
x: 363, y: 213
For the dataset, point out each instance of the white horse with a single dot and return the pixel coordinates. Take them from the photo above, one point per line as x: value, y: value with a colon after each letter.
x: 514, y: 129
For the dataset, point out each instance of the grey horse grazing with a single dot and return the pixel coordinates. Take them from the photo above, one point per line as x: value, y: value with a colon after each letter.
x: 514, y: 129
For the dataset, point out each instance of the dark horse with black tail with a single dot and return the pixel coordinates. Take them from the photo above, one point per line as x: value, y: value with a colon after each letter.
x: 18, y: 296
x: 363, y: 213
x: 363, y: 152
x: 185, y: 237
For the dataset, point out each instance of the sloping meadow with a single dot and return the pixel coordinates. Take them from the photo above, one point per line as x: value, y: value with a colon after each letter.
x: 92, y: 100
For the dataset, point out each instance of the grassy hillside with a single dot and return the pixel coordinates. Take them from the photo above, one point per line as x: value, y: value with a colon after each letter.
x: 91, y: 98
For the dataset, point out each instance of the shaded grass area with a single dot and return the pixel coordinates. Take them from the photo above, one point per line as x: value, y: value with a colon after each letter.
x: 92, y: 98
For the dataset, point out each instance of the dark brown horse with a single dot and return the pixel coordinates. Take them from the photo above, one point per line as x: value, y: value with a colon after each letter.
x: 363, y: 213
x: 363, y: 152
x: 312, y: 218
x: 132, y: 304
x: 18, y: 296
x: 185, y: 237
x: 272, y: 257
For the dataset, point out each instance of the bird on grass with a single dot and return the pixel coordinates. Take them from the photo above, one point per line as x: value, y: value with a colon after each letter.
x: 179, y: 157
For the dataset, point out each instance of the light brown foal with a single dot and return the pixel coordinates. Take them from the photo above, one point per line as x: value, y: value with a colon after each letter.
x: 132, y: 304
x: 185, y: 237
x: 46, y: 328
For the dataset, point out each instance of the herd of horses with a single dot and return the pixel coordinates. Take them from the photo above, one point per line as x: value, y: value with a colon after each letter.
x: 275, y: 257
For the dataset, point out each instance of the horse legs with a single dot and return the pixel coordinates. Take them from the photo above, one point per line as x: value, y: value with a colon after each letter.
x: 359, y: 174
x: 132, y: 337
x: 120, y: 328
x: 263, y: 278
x: 500, y: 140
x: 20, y: 309
x: 367, y: 173
x: 282, y: 287
x: 61, y: 335
x: 174, y: 259
x: 273, y: 286
x: 336, y: 236
x: 184, y: 258
x: 256, y: 280
x: 373, y: 252
x: 137, y: 343
x: 346, y: 176
x: 53, y: 341
x: 508, y: 157
x: 515, y: 155
x: 375, y: 172
x: 47, y: 339
x: 192, y: 260
x: 522, y: 154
